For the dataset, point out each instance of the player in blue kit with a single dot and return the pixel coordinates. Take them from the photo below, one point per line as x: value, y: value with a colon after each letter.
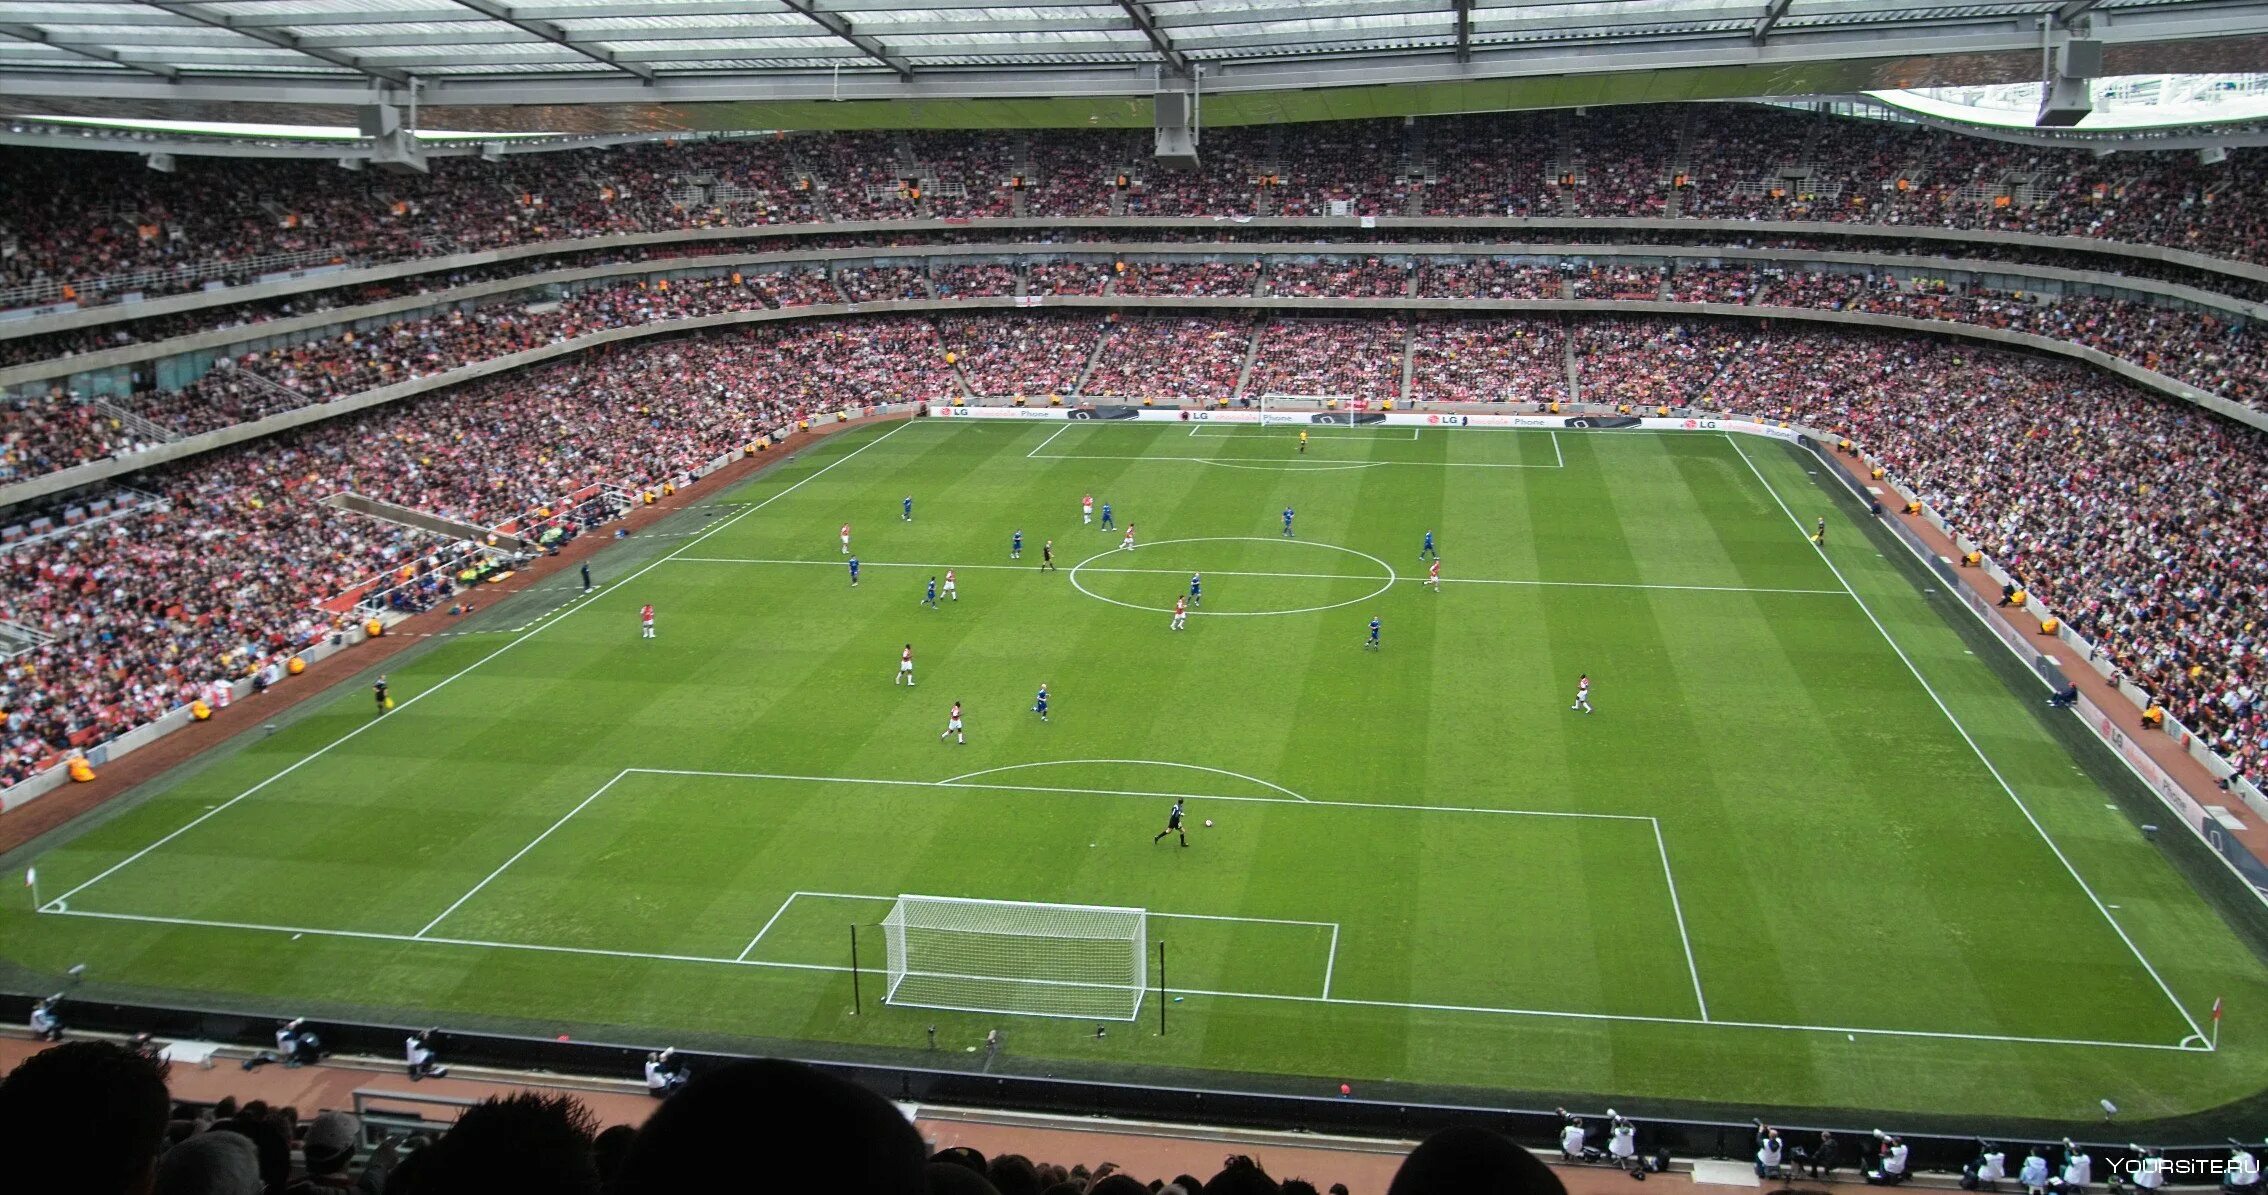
x: 1016, y: 545
x: 1196, y: 589
x: 1039, y: 706
x: 1373, y: 644
x: 1427, y: 552
x: 930, y: 599
x: 854, y: 572
x: 1107, y: 525
x: 1287, y: 522
x: 905, y: 509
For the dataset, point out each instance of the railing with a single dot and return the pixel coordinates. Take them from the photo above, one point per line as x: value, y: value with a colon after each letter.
x: 139, y: 424
x: 48, y: 290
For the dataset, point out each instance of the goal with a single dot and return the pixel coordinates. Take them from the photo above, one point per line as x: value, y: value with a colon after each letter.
x: 1019, y: 957
x: 1281, y: 409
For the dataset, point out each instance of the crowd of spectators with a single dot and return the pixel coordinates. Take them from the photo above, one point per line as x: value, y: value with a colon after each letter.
x: 1069, y: 277
x: 1342, y: 278
x: 1171, y: 357
x: 1329, y: 357
x: 1488, y: 360
x: 99, y: 1119
x: 1196, y: 278
x: 41, y: 433
x: 974, y: 281
x: 1025, y: 357
x: 238, y: 217
x: 873, y: 284
x: 144, y: 612
x: 1615, y: 282
x: 2134, y: 513
x: 1488, y: 278
x: 2138, y: 520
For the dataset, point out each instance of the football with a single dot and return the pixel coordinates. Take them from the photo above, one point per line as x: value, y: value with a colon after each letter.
x: 1208, y: 823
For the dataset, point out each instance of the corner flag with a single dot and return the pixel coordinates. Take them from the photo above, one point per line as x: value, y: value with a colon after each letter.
x: 2216, y: 1008
x: 31, y: 880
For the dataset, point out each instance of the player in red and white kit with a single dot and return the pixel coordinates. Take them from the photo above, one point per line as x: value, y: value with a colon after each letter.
x: 951, y: 590
x: 1128, y: 542
x: 953, y: 726
x: 1582, y: 694
x: 1433, y: 576
x: 1086, y: 510
x: 1181, y: 613
x: 646, y: 622
x: 905, y: 667
x: 846, y: 539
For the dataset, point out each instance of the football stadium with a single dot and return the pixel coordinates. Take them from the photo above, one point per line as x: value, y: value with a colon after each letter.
x: 849, y: 595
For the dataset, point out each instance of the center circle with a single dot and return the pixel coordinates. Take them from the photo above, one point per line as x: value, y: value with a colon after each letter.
x: 1132, y: 560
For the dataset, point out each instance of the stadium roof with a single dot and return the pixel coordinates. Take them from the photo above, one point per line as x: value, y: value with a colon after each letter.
x: 591, y: 65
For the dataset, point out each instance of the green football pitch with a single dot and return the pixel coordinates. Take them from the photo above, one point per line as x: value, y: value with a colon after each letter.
x: 1811, y: 849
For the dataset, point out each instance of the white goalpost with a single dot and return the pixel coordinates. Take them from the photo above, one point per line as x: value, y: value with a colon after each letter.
x: 1018, y: 957
x: 1331, y: 409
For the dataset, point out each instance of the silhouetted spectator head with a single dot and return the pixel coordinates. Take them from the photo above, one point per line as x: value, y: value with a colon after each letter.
x: 88, y: 1111
x: 529, y: 1143
x: 750, y: 1116
x: 221, y: 1162
x: 611, y: 1150
x: 1014, y: 1174
x: 961, y: 1155
x: 1240, y: 1175
x: 1119, y: 1184
x: 951, y: 1178
x: 1471, y: 1161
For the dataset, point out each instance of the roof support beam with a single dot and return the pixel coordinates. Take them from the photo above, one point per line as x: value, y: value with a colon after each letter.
x: 274, y: 37
x: 2075, y: 9
x: 841, y: 27
x: 555, y: 35
x: 1773, y: 11
x: 38, y: 36
x: 1140, y: 12
x: 1464, y: 30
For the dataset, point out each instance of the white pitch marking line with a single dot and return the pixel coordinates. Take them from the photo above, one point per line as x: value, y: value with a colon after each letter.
x: 366, y: 935
x: 1254, y: 920
x: 1963, y: 731
x: 1289, y: 464
x: 517, y: 855
x: 1559, y: 461
x: 1174, y: 572
x: 1050, y: 440
x: 742, y: 957
x: 1118, y: 792
x: 1155, y: 763
x: 1208, y: 430
x: 445, y: 682
x: 1677, y: 908
x: 1331, y: 961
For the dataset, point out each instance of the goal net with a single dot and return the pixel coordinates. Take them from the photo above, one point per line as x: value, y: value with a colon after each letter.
x: 1008, y: 956
x: 1338, y: 409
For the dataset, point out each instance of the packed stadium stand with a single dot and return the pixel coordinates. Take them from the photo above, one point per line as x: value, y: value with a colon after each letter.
x: 265, y: 397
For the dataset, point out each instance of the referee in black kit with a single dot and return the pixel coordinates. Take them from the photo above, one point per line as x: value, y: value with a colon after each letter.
x: 378, y: 690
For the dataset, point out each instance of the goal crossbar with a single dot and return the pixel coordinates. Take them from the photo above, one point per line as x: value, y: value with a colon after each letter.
x: 1025, y: 958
